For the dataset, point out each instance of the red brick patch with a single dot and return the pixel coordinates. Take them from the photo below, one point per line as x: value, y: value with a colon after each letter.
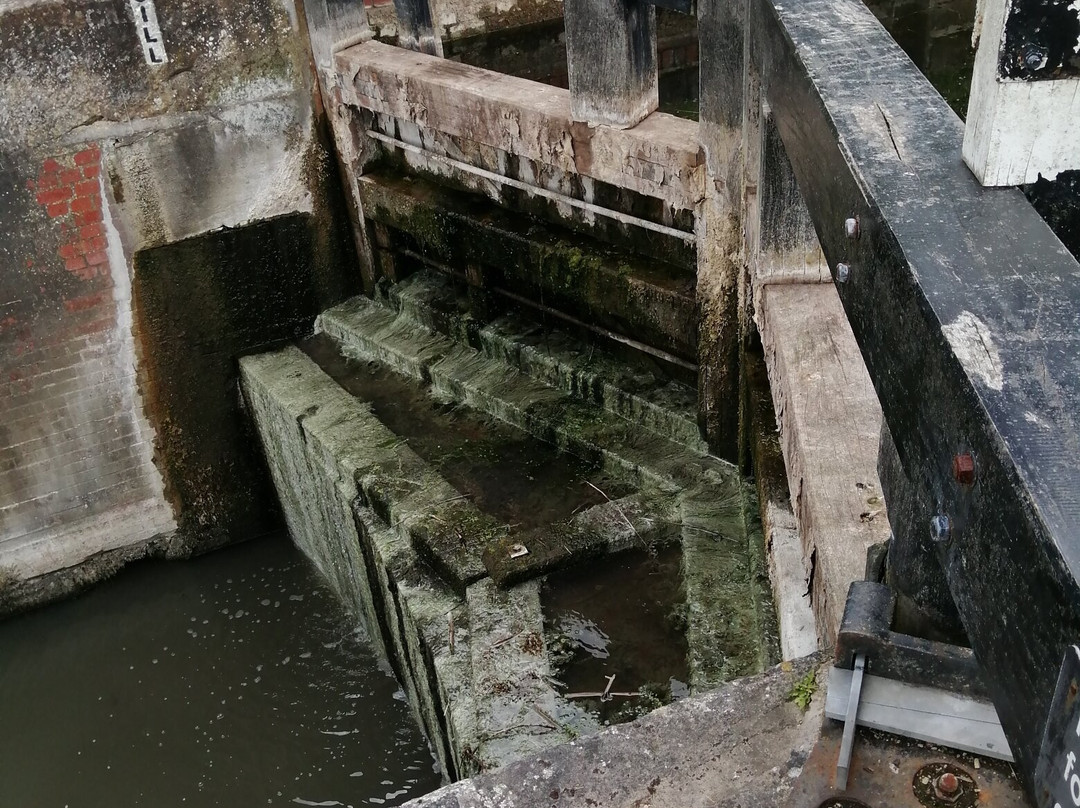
x: 87, y: 156
x: 53, y: 195
x: 69, y: 188
x: 84, y: 204
x: 86, y: 301
x: 90, y: 217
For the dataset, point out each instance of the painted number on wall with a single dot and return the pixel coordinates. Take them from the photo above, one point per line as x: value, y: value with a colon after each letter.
x: 149, y: 32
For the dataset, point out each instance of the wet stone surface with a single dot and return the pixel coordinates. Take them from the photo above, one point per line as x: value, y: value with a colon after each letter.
x: 233, y: 679
x: 520, y: 481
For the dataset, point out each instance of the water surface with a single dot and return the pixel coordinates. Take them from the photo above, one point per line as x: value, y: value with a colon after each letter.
x: 233, y: 679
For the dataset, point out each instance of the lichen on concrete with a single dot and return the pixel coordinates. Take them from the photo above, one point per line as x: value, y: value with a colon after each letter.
x: 741, y: 745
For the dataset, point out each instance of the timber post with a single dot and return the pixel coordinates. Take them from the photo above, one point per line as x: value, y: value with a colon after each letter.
x: 719, y: 226
x: 611, y: 61
x: 416, y: 27
x: 1023, y: 117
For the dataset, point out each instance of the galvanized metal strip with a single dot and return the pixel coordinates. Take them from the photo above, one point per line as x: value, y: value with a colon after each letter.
x: 851, y: 709
x: 923, y: 713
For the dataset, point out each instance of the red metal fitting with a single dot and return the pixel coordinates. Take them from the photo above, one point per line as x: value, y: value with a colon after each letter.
x: 963, y: 467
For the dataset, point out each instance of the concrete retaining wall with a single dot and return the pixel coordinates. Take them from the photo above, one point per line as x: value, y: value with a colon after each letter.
x: 128, y: 128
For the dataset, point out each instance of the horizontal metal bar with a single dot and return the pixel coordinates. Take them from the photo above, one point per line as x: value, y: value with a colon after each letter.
x: 624, y: 218
x: 967, y: 311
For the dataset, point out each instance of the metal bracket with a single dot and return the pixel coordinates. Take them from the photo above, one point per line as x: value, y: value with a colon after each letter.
x: 847, y: 742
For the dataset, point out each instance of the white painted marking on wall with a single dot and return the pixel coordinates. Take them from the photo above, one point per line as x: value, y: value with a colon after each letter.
x: 148, y: 31
x: 974, y: 346
x: 156, y: 514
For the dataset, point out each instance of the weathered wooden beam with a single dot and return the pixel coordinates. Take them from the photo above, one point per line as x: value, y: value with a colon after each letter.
x: 416, y: 31
x: 611, y: 61
x: 1023, y: 117
x: 333, y: 25
x: 781, y: 244
x: 660, y: 157
x: 964, y: 306
x: 829, y: 422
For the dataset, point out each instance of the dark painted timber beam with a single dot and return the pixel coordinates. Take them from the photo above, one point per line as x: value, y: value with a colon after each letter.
x: 416, y: 29
x: 967, y: 310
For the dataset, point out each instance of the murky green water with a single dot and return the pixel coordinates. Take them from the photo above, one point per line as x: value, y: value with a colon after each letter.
x: 234, y: 679
x: 623, y: 616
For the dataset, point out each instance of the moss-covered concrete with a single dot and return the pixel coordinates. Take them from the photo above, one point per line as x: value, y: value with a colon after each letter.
x: 652, y: 301
x: 625, y: 384
x: 730, y: 612
x: 445, y: 588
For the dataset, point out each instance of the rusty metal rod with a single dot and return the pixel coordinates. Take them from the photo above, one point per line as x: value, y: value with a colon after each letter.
x: 624, y: 218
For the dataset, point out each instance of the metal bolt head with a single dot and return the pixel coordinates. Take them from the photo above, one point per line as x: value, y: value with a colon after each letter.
x: 941, y: 528
x: 947, y: 787
x: 843, y: 271
x: 851, y: 228
x: 1034, y: 56
x: 963, y: 468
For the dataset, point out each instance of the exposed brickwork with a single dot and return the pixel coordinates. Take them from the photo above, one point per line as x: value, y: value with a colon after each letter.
x: 69, y: 189
x: 71, y: 444
x: 374, y: 3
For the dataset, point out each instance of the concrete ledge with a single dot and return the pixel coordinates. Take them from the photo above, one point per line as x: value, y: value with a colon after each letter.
x: 659, y: 157
x: 741, y: 745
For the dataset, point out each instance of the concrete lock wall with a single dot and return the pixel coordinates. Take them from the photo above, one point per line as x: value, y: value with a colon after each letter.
x: 169, y: 201
x: 166, y: 203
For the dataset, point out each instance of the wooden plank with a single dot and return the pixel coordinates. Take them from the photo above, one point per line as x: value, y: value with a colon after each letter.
x: 660, y: 157
x: 1021, y: 124
x: 923, y: 713
x: 829, y: 421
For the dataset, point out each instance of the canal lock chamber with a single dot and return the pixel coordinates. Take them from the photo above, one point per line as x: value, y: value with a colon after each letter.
x: 495, y: 461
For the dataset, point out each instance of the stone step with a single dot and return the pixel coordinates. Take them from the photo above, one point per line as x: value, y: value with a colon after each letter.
x: 730, y: 624
x: 369, y: 331
x: 622, y: 384
x: 519, y: 711
x: 448, y: 577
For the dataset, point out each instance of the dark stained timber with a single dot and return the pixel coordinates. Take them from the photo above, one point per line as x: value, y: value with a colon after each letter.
x: 967, y: 312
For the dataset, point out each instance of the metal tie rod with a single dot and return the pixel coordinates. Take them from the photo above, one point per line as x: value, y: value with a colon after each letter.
x: 843, y: 763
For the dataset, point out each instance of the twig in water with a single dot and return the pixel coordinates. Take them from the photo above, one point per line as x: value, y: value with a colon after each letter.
x: 451, y: 633
x: 703, y: 530
x: 610, y: 681
x: 503, y: 641
x: 543, y: 714
x: 400, y: 522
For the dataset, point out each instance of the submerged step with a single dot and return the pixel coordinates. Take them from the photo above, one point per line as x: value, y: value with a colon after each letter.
x: 623, y: 383
x: 369, y: 331
x: 521, y: 482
